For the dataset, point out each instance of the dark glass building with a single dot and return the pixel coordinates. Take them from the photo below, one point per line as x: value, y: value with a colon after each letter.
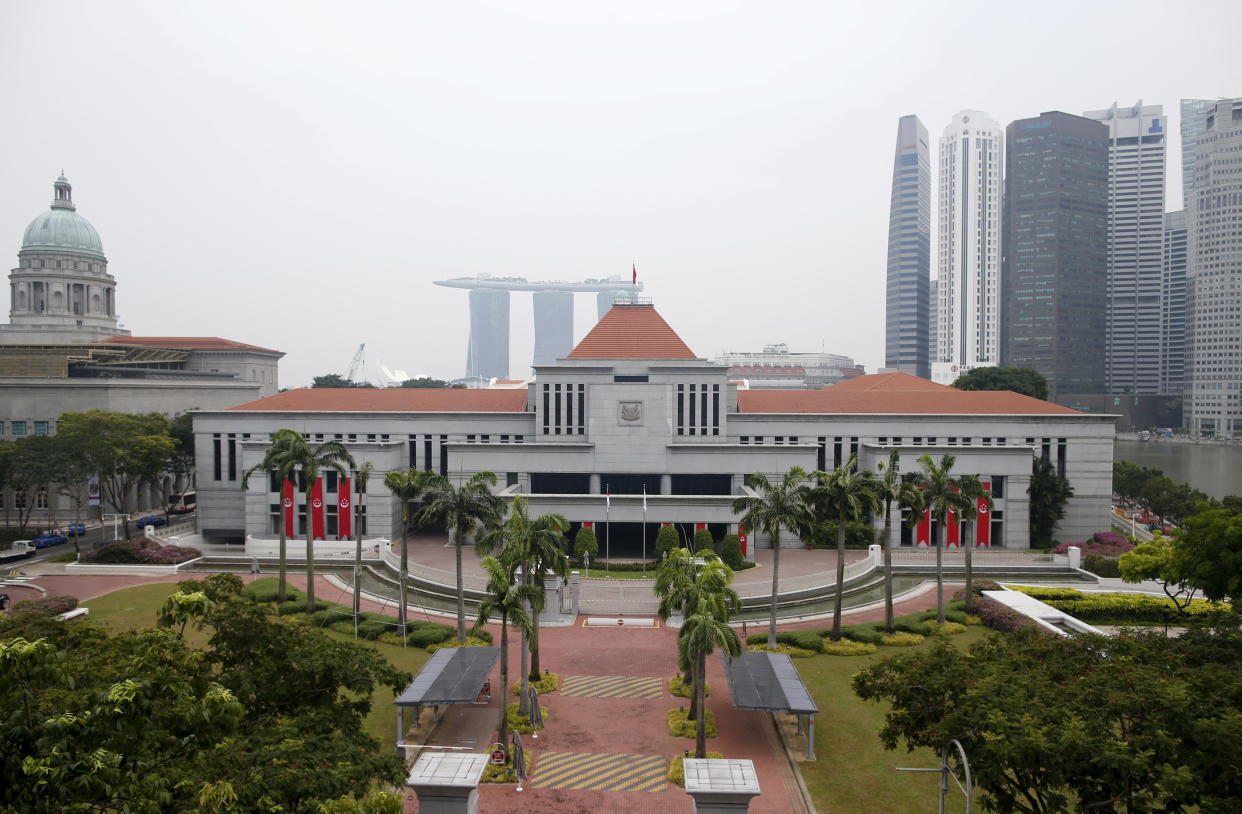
x: 907, y: 315
x: 1054, y: 270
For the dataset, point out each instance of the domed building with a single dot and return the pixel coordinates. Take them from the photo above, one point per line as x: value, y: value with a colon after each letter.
x: 61, y: 290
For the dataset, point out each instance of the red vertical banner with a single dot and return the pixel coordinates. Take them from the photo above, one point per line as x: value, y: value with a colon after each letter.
x: 286, y: 503
x: 983, y: 520
x: 741, y: 536
x: 588, y: 524
x: 922, y: 531
x: 316, y: 510
x: 345, y: 507
x: 954, y: 537
x: 700, y: 526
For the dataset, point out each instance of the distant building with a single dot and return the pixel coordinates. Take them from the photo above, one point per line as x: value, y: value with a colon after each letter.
x: 1214, y: 278
x: 1194, y: 113
x: 1136, y: 246
x: 1055, y: 267
x: 778, y: 369
x: 1173, y: 305
x: 933, y: 297
x: 907, y: 312
x: 968, y: 246
x: 63, y: 350
x: 554, y: 325
x: 487, y: 355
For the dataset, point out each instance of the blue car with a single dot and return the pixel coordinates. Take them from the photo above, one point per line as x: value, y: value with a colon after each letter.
x: 76, y: 529
x: 48, y: 539
x: 151, y: 520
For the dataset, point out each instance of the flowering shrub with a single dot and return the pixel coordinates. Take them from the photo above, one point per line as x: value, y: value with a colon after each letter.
x: 948, y: 628
x: 1103, y: 543
x: 977, y: 587
x: 141, y: 552
x: 998, y: 617
x: 48, y: 605
x: 847, y: 648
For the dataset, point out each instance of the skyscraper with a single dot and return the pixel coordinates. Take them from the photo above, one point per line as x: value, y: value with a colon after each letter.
x: 1173, y: 305
x: 1193, y: 123
x: 488, y: 354
x: 1135, y: 246
x: 1214, y: 277
x: 969, y: 242
x: 1055, y: 258
x: 554, y: 325
x: 907, y: 315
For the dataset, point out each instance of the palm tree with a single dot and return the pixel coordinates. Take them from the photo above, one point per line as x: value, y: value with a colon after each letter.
x: 279, y: 459
x: 844, y: 494
x: 330, y: 455
x: 532, y: 545
x: 700, y: 634
x: 972, y: 493
x: 941, y: 493
x: 507, y: 600
x: 776, y: 505
x: 405, y: 485
x: 361, y: 477
x: 899, y: 490
x: 461, y: 510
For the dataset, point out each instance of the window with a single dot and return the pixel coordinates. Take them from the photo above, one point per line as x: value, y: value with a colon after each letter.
x: 216, y: 461
x: 41, y: 499
x: 19, y: 427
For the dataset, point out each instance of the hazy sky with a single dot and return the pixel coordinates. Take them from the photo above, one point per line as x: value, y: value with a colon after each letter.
x: 294, y: 175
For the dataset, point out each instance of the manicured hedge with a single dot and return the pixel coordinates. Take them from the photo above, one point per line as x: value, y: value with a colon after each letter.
x: 999, y: 617
x: 48, y: 605
x: 140, y: 552
x: 372, y: 628
x: 1123, y: 608
x: 1101, y: 565
x: 429, y: 633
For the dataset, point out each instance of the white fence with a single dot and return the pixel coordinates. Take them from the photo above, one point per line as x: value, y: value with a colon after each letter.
x: 436, y: 575
x: 955, y: 556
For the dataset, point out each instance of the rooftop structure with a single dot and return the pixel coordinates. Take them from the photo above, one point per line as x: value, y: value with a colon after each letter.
x: 776, y: 368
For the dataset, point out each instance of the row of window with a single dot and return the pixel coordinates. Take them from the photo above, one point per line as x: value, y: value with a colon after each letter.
x: 18, y: 428
x: 698, y: 409
x: 19, y: 499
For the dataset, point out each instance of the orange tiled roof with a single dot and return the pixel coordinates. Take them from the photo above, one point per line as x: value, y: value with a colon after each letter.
x: 391, y: 400
x: 632, y: 332
x: 184, y: 343
x: 895, y: 393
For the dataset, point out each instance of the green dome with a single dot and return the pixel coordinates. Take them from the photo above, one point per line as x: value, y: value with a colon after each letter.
x: 61, y: 228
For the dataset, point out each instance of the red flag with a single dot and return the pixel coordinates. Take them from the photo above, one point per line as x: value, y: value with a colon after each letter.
x: 700, y: 526
x: 286, y: 502
x: 983, y: 521
x: 742, y: 538
x: 344, y: 506
x: 635, y: 280
x: 954, y: 537
x: 316, y: 507
x: 923, y: 529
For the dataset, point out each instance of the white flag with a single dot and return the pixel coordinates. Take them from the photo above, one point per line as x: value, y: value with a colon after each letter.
x: 608, y: 500
x: 644, y: 498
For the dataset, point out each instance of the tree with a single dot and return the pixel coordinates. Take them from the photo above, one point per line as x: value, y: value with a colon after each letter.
x: 972, y: 492
x: 893, y: 488
x: 703, y: 540
x: 1128, y: 479
x: 361, y: 478
x: 280, y: 458
x: 731, y: 551
x: 125, y: 450
x: 586, y: 544
x: 1025, y: 380
x: 774, y: 505
x: 429, y: 382
x: 405, y: 485
x: 461, y: 510
x: 181, y: 463
x: 941, y: 495
x: 1156, y: 560
x: 312, y: 461
x: 1049, y: 493
x: 33, y: 468
x: 700, y: 634
x: 1208, y: 555
x: 844, y: 494
x: 73, y: 472
x: 336, y: 380
x: 506, y: 599
x: 666, y: 540
x: 1083, y: 723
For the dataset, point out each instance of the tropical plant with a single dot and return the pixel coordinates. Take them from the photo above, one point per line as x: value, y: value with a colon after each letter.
x: 893, y: 488
x: 586, y: 544
x: 972, y: 492
x: 312, y: 461
x: 405, y: 485
x: 1049, y: 491
x: 702, y: 631
x: 508, y: 600
x: 279, y: 459
x: 462, y: 510
x: 362, y: 476
x: 940, y: 492
x: 845, y: 494
x: 666, y: 540
x: 772, y: 506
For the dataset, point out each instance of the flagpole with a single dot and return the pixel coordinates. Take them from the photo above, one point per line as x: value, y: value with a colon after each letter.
x: 644, y: 528
x: 607, y: 528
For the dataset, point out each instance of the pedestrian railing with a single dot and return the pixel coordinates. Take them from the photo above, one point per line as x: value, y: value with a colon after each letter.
x: 436, y: 575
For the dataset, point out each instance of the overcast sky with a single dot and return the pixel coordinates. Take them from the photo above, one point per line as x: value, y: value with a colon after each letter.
x: 294, y: 175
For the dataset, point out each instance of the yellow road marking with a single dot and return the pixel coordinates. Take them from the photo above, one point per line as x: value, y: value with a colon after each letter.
x: 599, y: 772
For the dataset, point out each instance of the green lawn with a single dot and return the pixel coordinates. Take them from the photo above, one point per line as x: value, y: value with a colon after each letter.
x: 132, y: 608
x: 853, y: 772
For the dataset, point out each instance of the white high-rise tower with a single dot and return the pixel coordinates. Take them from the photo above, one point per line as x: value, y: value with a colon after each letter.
x: 968, y: 250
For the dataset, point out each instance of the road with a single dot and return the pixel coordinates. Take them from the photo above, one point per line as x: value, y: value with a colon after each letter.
x: 95, y: 536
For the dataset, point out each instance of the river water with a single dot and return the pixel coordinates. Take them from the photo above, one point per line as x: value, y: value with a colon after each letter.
x: 1213, y: 468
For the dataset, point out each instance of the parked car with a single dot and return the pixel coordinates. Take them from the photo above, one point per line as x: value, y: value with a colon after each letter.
x: 76, y: 529
x: 48, y: 539
x: 151, y: 520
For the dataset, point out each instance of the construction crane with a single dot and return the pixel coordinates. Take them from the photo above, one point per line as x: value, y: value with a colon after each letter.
x: 358, y: 363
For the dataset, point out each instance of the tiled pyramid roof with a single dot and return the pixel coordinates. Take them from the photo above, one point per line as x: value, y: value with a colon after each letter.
x: 632, y: 332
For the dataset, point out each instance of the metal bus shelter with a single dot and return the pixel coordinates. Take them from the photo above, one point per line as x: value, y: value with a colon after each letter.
x: 769, y: 682
x: 453, y: 675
